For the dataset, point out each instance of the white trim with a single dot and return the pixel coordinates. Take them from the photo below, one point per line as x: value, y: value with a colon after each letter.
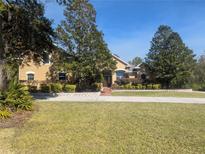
x: 120, y: 69
x: 120, y: 59
x: 30, y: 72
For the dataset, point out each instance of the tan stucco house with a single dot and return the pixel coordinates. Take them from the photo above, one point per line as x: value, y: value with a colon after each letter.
x: 37, y: 74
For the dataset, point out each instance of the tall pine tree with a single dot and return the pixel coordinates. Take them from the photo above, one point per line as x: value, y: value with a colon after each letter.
x: 80, y: 37
x: 169, y: 59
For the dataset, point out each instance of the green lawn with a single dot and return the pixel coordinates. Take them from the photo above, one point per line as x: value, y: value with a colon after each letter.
x: 160, y: 94
x: 109, y: 128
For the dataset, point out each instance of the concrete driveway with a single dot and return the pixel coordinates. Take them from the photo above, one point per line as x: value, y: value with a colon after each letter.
x: 95, y: 97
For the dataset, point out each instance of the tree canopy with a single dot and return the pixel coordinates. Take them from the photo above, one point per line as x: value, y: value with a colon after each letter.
x: 24, y: 33
x: 169, y: 59
x: 199, y: 71
x: 79, y: 36
x: 136, y: 61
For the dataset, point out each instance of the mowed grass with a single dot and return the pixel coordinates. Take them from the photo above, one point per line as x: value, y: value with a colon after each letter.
x: 109, y: 128
x: 160, y: 94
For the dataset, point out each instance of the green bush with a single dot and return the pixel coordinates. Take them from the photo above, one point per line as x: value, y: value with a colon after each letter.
x: 144, y: 87
x: 56, y: 87
x: 96, y: 86
x: 32, y: 89
x: 149, y: 86
x: 136, y: 87
x: 115, y: 86
x: 18, y: 97
x: 69, y: 88
x: 5, y: 114
x: 45, y: 88
x: 139, y: 86
x: 121, y: 87
x: 127, y: 86
x: 198, y: 86
x: 156, y: 86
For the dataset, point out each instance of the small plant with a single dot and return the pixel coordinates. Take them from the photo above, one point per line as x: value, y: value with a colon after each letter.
x: 144, y: 87
x: 156, y: 86
x: 56, y: 87
x: 18, y: 97
x: 139, y: 86
x: 45, y: 88
x: 69, y: 88
x: 149, y: 86
x: 32, y: 89
x: 5, y: 114
x: 115, y: 86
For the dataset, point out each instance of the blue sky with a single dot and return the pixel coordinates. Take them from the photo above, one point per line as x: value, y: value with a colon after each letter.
x: 129, y: 25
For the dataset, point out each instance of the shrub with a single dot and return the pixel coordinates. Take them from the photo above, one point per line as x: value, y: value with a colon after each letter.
x: 56, y: 87
x: 95, y: 87
x: 139, y: 86
x: 5, y: 114
x: 129, y: 86
x: 149, y: 86
x: 69, y: 88
x: 18, y: 97
x: 32, y: 89
x: 121, y: 87
x: 45, y: 88
x: 115, y: 86
x: 156, y: 86
x: 144, y: 87
x: 136, y: 87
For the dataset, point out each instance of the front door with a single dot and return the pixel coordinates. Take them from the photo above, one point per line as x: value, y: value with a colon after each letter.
x: 107, y: 79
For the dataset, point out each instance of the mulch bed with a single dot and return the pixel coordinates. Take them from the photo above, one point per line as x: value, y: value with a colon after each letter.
x: 17, y: 119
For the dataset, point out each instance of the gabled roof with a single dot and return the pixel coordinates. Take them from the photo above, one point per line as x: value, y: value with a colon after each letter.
x: 118, y: 58
x: 138, y: 66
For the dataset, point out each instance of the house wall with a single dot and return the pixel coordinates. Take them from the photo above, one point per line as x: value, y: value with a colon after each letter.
x: 40, y: 71
x: 120, y: 65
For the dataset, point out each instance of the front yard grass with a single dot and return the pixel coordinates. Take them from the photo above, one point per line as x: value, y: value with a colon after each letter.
x: 109, y: 128
x: 159, y: 94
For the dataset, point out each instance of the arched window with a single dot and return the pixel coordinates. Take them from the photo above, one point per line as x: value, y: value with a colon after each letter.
x: 30, y: 76
x: 120, y: 74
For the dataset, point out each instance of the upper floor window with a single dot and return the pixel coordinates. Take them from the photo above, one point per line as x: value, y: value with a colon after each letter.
x: 46, y: 58
x: 30, y: 76
x: 62, y: 76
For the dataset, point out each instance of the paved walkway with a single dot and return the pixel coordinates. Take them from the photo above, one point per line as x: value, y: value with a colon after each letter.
x: 95, y: 97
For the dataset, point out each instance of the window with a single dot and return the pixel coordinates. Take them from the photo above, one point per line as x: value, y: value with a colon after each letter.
x: 30, y: 77
x: 62, y: 76
x: 46, y: 59
x: 120, y: 74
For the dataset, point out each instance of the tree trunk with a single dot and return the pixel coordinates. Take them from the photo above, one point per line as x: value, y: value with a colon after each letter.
x: 3, y: 80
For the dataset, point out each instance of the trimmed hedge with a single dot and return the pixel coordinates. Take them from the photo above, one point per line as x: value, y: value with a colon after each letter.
x: 69, y: 88
x: 156, y: 86
x: 137, y: 87
x: 56, y: 87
